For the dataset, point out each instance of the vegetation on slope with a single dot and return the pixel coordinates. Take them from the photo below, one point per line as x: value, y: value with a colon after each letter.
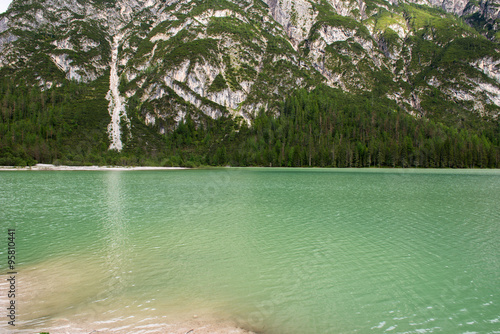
x: 329, y: 128
x: 325, y: 127
x: 66, y: 123
x: 322, y: 127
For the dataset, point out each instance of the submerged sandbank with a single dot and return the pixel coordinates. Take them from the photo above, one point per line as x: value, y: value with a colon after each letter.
x: 195, y: 326
x: 62, y: 167
x: 56, y: 297
x: 126, y: 326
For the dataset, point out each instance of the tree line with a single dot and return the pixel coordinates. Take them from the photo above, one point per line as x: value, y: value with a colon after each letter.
x: 321, y: 128
x: 329, y: 128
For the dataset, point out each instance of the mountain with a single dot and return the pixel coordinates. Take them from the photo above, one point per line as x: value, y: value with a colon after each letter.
x: 84, y: 79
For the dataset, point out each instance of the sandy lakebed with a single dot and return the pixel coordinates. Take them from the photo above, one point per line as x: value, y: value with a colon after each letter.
x: 45, y: 167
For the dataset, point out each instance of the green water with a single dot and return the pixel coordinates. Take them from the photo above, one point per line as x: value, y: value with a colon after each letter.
x: 270, y: 250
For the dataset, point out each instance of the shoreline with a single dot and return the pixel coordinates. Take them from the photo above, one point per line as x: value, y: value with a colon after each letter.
x: 50, y: 167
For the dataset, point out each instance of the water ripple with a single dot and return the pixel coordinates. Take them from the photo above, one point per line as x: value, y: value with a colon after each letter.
x: 273, y: 250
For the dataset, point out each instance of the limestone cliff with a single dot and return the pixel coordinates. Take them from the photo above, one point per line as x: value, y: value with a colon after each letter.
x: 169, y: 58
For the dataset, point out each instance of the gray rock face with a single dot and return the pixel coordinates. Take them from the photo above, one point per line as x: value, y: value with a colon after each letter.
x: 490, y: 9
x: 451, y: 6
x: 168, y: 54
x: 295, y: 16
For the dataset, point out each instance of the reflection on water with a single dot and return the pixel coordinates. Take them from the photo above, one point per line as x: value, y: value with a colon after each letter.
x: 271, y: 250
x: 115, y: 250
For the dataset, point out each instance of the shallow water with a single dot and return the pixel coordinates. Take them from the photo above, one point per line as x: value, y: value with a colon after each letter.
x: 269, y: 250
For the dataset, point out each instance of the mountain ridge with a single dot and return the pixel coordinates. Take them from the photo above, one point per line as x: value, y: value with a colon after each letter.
x: 167, y: 60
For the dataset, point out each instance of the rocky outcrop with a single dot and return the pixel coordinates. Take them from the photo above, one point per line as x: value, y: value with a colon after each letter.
x: 489, y: 66
x: 170, y: 52
x: 488, y: 9
x: 116, y: 106
x: 295, y: 16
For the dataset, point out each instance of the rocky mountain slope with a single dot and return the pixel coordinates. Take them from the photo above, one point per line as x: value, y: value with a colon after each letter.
x: 157, y: 61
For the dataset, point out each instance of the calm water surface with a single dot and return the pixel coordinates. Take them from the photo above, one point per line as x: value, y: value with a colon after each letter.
x: 271, y: 250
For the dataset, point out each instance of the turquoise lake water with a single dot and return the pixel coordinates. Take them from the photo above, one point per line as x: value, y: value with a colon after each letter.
x: 269, y: 250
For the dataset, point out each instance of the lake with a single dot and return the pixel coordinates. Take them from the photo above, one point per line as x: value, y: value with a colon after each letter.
x: 269, y: 250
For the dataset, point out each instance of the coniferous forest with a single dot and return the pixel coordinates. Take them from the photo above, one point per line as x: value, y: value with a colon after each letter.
x: 374, y: 84
x: 322, y: 128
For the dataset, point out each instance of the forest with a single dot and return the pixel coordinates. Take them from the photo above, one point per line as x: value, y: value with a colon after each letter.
x: 321, y: 128
x: 329, y: 128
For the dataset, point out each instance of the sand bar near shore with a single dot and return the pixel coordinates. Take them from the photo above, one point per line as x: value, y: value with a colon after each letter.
x: 97, y: 168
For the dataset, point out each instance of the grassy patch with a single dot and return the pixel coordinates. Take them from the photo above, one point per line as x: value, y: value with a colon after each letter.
x: 218, y: 84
